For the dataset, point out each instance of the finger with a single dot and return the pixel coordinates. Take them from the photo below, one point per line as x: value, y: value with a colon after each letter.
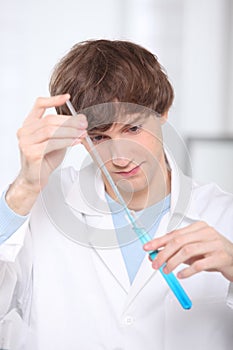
x: 205, y: 264
x: 30, y: 125
x: 58, y: 144
x: 49, y: 134
x: 183, y: 243
x: 177, y: 235
x: 51, y: 123
x: 39, y: 151
x: 189, y: 253
x: 42, y: 103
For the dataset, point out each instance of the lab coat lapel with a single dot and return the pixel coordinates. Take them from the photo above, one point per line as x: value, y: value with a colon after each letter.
x: 105, y: 244
x: 87, y: 196
x: 145, y: 272
x: 114, y: 263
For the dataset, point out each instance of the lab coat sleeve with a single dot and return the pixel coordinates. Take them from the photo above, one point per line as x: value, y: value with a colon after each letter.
x: 16, y: 285
x: 230, y: 296
x: 10, y: 221
x: 15, y: 270
x: 10, y: 248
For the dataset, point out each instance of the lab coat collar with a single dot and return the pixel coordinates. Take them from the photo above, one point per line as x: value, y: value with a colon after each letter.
x: 182, y: 205
x: 87, y: 194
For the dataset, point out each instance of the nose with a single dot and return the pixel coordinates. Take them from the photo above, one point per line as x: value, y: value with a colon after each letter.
x: 119, y: 154
x: 120, y: 162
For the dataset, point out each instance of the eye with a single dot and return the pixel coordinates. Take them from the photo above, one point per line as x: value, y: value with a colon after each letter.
x: 135, y: 129
x: 98, y: 138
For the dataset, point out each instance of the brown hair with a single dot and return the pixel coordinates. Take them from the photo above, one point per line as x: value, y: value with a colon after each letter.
x: 98, y: 71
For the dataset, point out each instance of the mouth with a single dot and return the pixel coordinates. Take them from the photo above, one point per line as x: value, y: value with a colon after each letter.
x: 129, y: 173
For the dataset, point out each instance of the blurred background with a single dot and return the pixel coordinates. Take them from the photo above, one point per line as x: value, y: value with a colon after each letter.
x: 193, y: 40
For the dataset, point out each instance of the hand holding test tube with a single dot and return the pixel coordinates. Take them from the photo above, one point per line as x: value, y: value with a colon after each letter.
x: 170, y: 278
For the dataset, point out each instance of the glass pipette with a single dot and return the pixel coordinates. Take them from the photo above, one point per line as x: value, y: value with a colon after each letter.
x: 141, y: 233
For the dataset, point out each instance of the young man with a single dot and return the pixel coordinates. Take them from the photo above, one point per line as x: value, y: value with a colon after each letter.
x: 72, y: 273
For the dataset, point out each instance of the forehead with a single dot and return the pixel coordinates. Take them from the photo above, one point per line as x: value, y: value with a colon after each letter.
x: 126, y: 119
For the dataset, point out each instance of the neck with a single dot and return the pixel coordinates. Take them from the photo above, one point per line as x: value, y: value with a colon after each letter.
x: 152, y: 194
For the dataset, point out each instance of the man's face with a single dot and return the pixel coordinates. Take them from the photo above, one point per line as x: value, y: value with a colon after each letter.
x: 133, y: 154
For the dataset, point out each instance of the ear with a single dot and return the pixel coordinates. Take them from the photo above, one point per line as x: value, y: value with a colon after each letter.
x: 164, y: 117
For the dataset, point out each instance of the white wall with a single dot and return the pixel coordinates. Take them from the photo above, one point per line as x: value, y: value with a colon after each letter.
x: 207, y: 89
x: 230, y: 70
x: 206, y: 67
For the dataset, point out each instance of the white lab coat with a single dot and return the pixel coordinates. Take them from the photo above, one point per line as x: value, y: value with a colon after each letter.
x: 64, y: 295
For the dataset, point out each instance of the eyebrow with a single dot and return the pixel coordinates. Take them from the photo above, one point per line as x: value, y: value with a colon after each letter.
x: 127, y: 123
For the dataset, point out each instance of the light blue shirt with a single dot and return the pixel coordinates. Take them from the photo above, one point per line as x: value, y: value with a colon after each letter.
x: 9, y: 220
x: 132, y: 252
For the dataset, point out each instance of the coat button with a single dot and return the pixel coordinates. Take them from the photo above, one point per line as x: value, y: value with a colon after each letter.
x: 128, y: 320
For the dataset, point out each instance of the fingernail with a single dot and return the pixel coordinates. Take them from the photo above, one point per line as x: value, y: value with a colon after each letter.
x: 155, y: 265
x: 180, y: 274
x: 83, y: 124
x: 82, y: 118
x: 146, y: 246
x: 82, y: 121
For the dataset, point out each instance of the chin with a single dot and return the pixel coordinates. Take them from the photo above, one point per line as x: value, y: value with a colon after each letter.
x: 134, y: 186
